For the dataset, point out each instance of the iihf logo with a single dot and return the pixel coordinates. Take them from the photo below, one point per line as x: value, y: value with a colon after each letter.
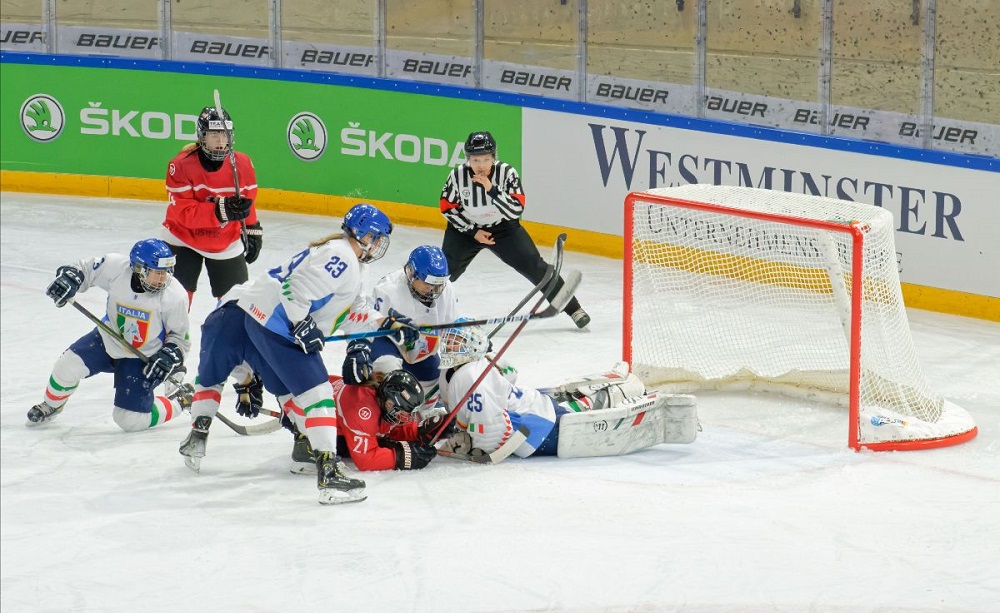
x: 306, y: 136
x: 42, y: 118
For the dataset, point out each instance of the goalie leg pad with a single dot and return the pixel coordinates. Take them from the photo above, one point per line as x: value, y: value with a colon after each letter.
x: 639, y: 423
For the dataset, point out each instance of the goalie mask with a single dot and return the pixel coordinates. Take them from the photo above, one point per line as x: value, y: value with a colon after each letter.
x: 153, y: 263
x: 426, y: 273
x: 215, y: 133
x: 399, y: 394
x: 461, y: 345
x: 370, y: 228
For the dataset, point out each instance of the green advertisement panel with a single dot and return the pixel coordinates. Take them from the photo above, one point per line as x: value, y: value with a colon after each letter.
x: 307, y: 137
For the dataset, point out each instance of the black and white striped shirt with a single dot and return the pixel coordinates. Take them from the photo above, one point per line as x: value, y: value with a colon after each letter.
x: 467, y: 206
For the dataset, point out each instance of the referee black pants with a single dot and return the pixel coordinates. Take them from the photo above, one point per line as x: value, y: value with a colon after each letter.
x: 514, y: 248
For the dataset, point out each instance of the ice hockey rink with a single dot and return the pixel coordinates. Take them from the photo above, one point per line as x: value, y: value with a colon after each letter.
x: 768, y: 510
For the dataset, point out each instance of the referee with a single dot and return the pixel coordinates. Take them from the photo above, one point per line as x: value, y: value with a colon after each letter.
x: 483, y: 202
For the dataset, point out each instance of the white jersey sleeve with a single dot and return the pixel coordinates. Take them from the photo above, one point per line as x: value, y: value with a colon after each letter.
x: 393, y: 292
x: 496, y: 408
x: 324, y: 282
x: 146, y: 320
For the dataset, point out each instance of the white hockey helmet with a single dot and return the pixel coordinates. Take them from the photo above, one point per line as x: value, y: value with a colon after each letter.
x: 463, y: 344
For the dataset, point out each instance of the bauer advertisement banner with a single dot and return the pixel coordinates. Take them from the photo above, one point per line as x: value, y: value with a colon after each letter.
x: 578, y: 170
x: 305, y: 137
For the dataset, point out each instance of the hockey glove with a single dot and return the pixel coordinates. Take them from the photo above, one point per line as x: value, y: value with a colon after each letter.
x: 358, y: 364
x: 163, y: 363
x: 430, y: 426
x: 255, y: 240
x: 308, y: 335
x: 250, y: 397
x: 67, y: 282
x: 405, y: 333
x: 231, y: 208
x: 411, y: 456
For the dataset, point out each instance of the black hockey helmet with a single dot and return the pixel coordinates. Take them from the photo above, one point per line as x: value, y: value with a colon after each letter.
x: 211, y: 120
x: 480, y: 143
x: 399, y: 394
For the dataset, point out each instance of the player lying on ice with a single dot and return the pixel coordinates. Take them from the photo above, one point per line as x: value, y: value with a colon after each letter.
x: 379, y: 426
x: 149, y: 309
x: 607, y: 414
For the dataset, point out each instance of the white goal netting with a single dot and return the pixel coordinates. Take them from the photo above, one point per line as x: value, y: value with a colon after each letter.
x: 738, y: 288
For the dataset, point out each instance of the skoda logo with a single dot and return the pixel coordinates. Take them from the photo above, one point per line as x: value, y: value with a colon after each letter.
x: 306, y: 135
x: 42, y: 118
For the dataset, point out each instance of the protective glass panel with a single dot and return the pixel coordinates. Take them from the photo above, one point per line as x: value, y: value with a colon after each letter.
x: 762, y: 61
x: 642, y: 55
x: 876, y: 76
x: 334, y: 35
x: 108, y: 27
x: 967, y: 77
x: 432, y: 40
x: 238, y: 35
x: 532, y: 47
x: 22, y: 28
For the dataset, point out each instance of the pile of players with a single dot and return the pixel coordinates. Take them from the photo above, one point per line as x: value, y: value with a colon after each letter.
x: 399, y: 390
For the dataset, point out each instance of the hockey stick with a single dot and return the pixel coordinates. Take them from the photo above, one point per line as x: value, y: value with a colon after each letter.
x: 179, y: 385
x: 559, y: 301
x: 232, y: 162
x: 556, y: 305
x: 549, y: 271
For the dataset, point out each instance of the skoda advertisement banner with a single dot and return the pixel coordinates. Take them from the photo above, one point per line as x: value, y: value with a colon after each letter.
x: 304, y: 137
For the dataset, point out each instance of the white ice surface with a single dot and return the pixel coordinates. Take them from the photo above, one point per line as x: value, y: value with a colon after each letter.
x: 767, y: 511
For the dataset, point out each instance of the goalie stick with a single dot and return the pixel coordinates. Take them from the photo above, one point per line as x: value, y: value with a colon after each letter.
x: 232, y: 162
x: 549, y: 271
x: 178, y: 383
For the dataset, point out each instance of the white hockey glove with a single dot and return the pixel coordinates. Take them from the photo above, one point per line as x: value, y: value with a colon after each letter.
x: 460, y: 442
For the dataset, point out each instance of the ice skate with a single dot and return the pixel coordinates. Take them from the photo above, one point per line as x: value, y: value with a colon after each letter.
x: 41, y: 413
x: 193, y: 447
x: 580, y: 318
x: 334, y: 486
x: 302, y: 455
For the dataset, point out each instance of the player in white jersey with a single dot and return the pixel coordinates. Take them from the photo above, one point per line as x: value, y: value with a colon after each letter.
x: 149, y: 309
x: 277, y: 324
x: 421, y: 291
x: 498, y: 406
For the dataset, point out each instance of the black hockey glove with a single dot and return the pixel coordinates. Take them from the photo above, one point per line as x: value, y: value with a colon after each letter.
x: 404, y: 332
x: 411, y: 456
x: 428, y: 427
x: 163, y: 363
x: 358, y: 364
x: 231, y: 208
x: 255, y: 240
x: 67, y: 282
x: 308, y: 336
x: 250, y: 397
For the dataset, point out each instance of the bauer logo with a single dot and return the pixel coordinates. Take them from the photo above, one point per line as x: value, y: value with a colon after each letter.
x: 42, y: 118
x: 306, y: 136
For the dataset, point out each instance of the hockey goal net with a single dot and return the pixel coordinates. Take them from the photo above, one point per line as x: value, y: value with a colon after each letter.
x: 733, y: 288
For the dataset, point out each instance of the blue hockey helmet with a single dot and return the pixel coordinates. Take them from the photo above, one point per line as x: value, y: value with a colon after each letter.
x: 212, y: 120
x: 153, y: 261
x: 371, y: 228
x: 428, y: 267
x: 461, y: 344
x: 399, y: 394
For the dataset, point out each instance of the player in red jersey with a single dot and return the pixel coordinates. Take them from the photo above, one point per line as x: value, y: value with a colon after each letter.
x: 206, y: 215
x: 376, y: 422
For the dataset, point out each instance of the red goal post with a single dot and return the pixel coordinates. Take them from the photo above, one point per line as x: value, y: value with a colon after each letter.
x: 732, y: 288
